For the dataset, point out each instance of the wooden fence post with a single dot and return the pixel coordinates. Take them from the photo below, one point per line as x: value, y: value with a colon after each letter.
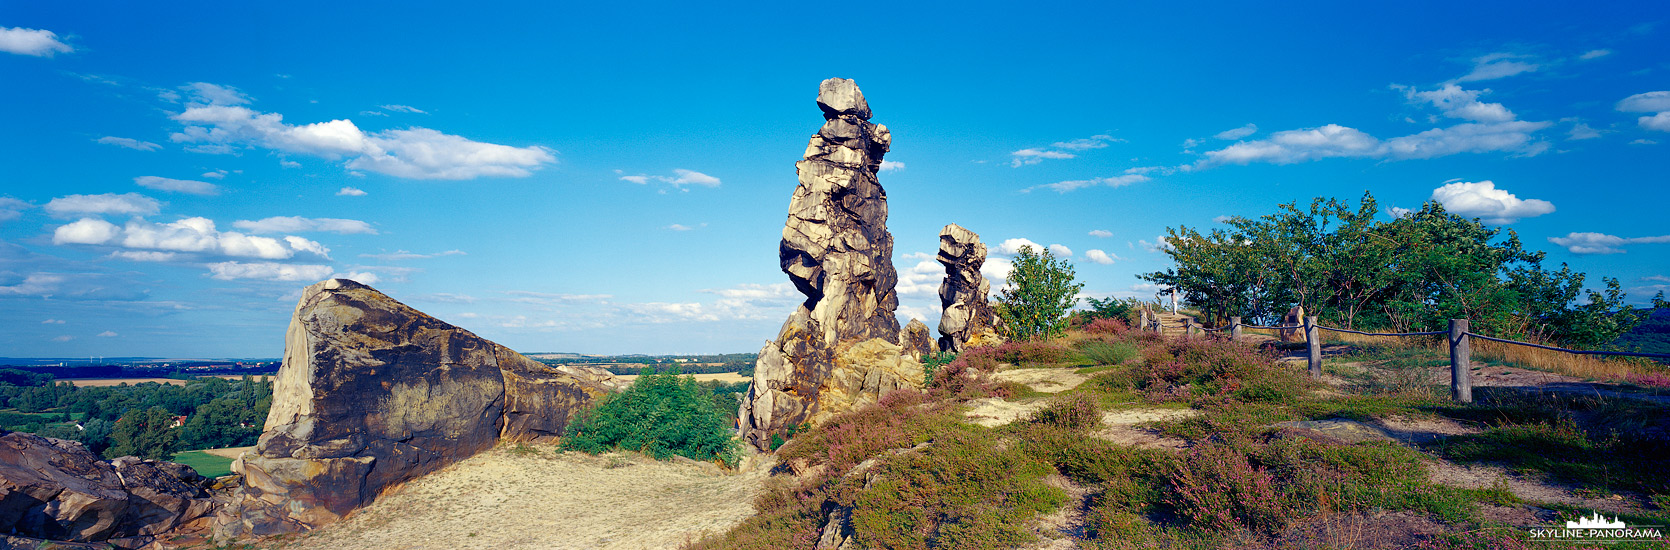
x: 1461, y: 362
x: 1188, y: 327
x: 1142, y: 325
x: 1234, y: 328
x: 1314, y: 342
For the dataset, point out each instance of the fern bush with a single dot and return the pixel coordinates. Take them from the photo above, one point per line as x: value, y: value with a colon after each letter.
x: 661, y: 415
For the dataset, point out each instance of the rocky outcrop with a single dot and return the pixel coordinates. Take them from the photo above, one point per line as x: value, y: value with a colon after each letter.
x: 965, y: 293
x: 58, y: 490
x: 917, y: 342
x: 837, y: 251
x: 373, y: 393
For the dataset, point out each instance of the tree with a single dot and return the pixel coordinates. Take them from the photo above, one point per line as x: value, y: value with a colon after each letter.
x: 660, y: 415
x: 1034, y: 303
x: 145, y: 433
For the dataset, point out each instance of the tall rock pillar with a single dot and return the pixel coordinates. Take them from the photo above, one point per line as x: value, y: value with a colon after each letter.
x: 968, y: 313
x: 840, y: 348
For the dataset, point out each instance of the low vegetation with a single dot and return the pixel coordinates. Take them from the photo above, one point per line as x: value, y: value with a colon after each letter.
x: 660, y: 415
x: 147, y: 419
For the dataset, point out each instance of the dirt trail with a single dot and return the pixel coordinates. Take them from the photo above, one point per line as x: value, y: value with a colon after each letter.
x: 501, y: 500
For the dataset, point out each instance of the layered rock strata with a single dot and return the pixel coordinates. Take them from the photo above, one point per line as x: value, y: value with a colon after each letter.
x: 373, y: 393
x: 968, y: 313
x: 841, y: 347
x: 58, y: 490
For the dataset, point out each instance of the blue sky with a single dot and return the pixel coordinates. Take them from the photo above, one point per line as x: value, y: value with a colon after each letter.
x: 614, y: 178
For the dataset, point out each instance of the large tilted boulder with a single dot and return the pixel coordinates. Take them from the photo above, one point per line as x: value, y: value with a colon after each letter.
x: 373, y: 393
x: 837, y: 350
x: 968, y: 313
x: 58, y: 490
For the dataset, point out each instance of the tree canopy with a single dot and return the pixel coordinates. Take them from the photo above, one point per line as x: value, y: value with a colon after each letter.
x: 1034, y: 303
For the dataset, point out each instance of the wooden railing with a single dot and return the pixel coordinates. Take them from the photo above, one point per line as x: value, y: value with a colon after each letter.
x: 1460, y: 340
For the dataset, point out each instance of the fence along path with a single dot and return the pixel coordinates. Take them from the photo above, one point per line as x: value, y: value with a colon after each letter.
x: 1459, y: 337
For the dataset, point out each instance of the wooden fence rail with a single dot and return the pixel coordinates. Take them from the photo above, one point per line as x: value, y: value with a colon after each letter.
x: 1458, y: 335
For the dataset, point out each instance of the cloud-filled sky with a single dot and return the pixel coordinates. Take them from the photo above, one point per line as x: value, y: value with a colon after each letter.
x: 614, y: 179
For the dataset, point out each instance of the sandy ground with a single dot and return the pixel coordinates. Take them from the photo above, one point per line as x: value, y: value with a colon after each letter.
x: 1045, y: 380
x: 229, y: 452
x: 726, y: 377
x: 503, y: 500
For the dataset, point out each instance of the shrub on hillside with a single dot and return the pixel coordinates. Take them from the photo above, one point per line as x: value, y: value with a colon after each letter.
x: 1112, y: 327
x: 1109, y: 353
x: 1032, y: 352
x: 661, y: 415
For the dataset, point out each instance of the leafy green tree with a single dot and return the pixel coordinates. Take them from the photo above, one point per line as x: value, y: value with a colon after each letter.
x: 224, y: 422
x: 660, y: 415
x: 145, y: 433
x: 1034, y: 303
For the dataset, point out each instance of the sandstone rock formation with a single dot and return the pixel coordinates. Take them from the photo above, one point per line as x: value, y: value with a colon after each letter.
x: 917, y: 342
x: 58, y: 490
x: 840, y: 348
x: 373, y: 393
x: 965, y: 293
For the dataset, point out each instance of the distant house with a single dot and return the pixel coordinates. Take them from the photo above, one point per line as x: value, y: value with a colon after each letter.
x: 178, y: 421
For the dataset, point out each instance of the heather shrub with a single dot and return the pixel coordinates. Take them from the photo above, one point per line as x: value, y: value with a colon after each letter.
x: 1032, y: 352
x: 1074, y: 411
x: 964, y: 491
x: 903, y: 418
x: 1110, y: 327
x: 660, y: 415
x: 1214, y: 487
x: 967, y: 377
x: 1109, y: 353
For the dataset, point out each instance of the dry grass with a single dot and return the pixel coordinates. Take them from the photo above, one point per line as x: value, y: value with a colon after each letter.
x: 1569, y: 364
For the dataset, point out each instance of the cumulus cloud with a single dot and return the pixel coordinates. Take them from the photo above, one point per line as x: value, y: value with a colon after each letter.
x: 1103, y: 233
x: 1061, y: 250
x: 680, y: 178
x: 144, y: 255
x: 1013, y: 246
x: 1291, y: 146
x: 920, y: 281
x: 190, y: 187
x: 109, y: 203
x: 215, y: 119
x: 1099, y: 256
x: 1601, y: 243
x: 1237, y: 133
x: 1160, y: 244
x: 1581, y: 131
x: 1497, y: 65
x: 350, y: 192
x: 53, y: 322
x: 1594, y: 54
x: 997, y: 270
x: 1093, y: 142
x: 1034, y: 156
x: 11, y: 209
x: 298, y: 224
x: 130, y: 143
x: 889, y: 166
x: 1456, y: 102
x: 186, y: 235
x: 1483, y: 200
x: 35, y: 42
x: 404, y: 255
x: 1645, y: 102
x: 1074, y: 185
x: 269, y: 271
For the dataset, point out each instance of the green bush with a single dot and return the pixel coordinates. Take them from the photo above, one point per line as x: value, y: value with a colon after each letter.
x: 1035, y: 302
x: 661, y: 415
x: 1109, y: 353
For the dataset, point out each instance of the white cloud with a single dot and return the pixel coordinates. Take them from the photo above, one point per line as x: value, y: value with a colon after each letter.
x: 1291, y: 146
x: 1159, y: 245
x: 1073, y: 185
x: 298, y: 224
x: 1237, y: 133
x: 1099, y: 256
x: 36, y: 284
x: 1484, y: 200
x: 108, y: 203
x: 60, y: 322
x: 186, y: 235
x: 64, y: 338
x: 144, y: 255
x: 1013, y: 246
x: 1061, y: 251
x: 191, y: 187
x: 362, y: 277
x: 294, y: 164
x: 1660, y: 122
x: 1093, y: 142
x: 1497, y: 65
x: 1222, y: 219
x: 1103, y: 233
x: 1601, y: 243
x: 404, y: 255
x: 889, y: 166
x: 1648, y: 102
x: 35, y: 42
x: 404, y: 109
x: 1035, y: 156
x: 1582, y: 131
x: 1643, y: 142
x: 922, y: 280
x: 1593, y: 54
x: 269, y: 271
x: 350, y: 192
x: 1513, y: 137
x: 107, y: 334
x: 11, y: 209
x: 215, y: 119
x: 683, y: 177
x: 997, y: 270
x: 1456, y: 102
x: 129, y: 143
x: 216, y: 174
x: 1396, y: 212
x: 682, y: 227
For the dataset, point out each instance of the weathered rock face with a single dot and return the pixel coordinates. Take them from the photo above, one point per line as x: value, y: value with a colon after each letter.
x: 837, y: 251
x: 58, y: 490
x: 917, y: 342
x: 968, y: 312
x: 373, y: 393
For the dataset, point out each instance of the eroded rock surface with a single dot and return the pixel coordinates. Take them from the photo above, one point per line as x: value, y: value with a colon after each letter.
x: 374, y: 393
x: 58, y: 490
x: 968, y: 312
x: 917, y: 342
x: 837, y: 251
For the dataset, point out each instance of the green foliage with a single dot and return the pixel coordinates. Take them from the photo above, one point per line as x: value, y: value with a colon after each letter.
x: 660, y: 415
x: 146, y: 434
x: 1034, y: 303
x: 1412, y: 273
x: 1109, y: 353
x: 934, y: 361
x: 207, y: 465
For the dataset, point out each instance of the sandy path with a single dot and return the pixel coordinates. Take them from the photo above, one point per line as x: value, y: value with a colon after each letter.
x: 499, y: 500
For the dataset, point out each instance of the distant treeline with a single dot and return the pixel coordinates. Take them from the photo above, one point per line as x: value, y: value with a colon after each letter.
x: 181, y: 371
x: 1651, y: 336
x: 693, y: 364
x: 137, y: 419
